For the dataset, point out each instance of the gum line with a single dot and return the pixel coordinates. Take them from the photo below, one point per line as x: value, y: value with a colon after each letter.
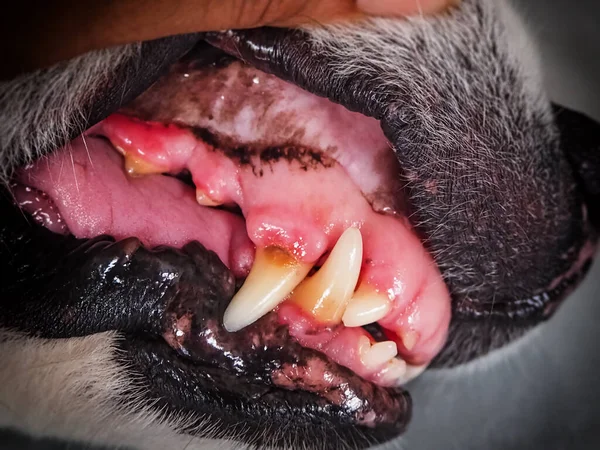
x: 303, y: 206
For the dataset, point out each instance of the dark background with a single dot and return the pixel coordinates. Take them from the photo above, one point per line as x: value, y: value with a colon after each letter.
x: 542, y: 392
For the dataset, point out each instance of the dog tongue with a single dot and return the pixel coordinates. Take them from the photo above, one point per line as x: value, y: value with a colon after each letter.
x: 95, y: 196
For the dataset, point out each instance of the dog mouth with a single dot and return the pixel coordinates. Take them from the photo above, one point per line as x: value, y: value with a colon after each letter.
x: 253, y: 243
x: 309, y: 287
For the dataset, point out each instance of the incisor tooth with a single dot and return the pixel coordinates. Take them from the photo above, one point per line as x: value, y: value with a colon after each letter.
x: 204, y: 199
x: 326, y: 294
x: 365, y: 307
x: 273, y: 276
x: 394, y: 372
x: 378, y: 354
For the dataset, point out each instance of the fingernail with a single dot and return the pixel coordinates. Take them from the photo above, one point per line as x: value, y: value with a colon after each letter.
x: 404, y: 7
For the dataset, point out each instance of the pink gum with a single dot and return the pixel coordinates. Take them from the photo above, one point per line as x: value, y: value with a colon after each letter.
x: 305, y: 213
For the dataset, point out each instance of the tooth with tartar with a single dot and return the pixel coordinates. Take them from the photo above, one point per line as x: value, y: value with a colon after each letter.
x: 365, y: 307
x: 326, y: 294
x: 136, y: 167
x: 378, y: 354
x: 274, y: 274
x: 204, y: 199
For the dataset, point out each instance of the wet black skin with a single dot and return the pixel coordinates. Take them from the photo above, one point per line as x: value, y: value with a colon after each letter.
x: 58, y: 286
x: 65, y: 287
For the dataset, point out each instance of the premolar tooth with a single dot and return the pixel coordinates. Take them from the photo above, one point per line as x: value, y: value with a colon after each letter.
x: 136, y: 167
x: 273, y: 276
x: 326, y: 294
x: 365, y: 307
x: 204, y: 199
x: 378, y: 354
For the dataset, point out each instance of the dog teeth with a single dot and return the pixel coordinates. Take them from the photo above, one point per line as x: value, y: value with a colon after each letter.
x: 135, y: 167
x: 412, y: 372
x: 382, y: 357
x: 365, y: 307
x: 376, y: 355
x: 273, y: 276
x: 326, y: 294
x: 394, y: 373
x: 204, y: 199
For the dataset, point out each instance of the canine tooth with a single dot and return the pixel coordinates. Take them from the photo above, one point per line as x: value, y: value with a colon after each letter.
x: 273, y: 276
x: 378, y: 354
x: 136, y: 167
x: 365, y: 307
x: 326, y: 294
x: 203, y: 199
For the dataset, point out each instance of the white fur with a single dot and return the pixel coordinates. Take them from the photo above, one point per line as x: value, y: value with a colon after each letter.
x: 72, y: 389
x: 392, y: 44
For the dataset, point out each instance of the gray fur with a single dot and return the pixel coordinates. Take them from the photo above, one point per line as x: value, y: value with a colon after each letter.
x: 478, y: 128
x: 45, y: 107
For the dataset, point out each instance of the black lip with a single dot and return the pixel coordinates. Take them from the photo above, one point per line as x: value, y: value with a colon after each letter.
x: 258, y: 379
x: 259, y: 413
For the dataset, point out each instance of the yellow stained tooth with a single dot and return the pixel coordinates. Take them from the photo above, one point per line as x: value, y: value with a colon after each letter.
x: 203, y: 199
x: 273, y: 276
x: 136, y: 167
x: 365, y: 307
x: 326, y: 294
